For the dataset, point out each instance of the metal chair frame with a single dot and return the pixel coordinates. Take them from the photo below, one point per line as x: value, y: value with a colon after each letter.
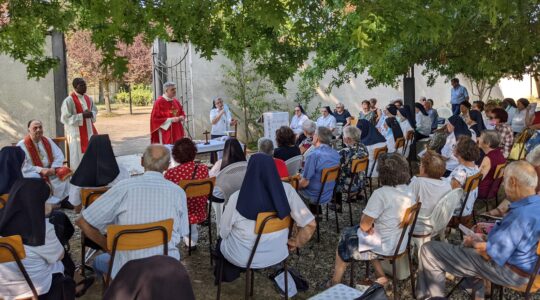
x: 471, y: 183
x: 497, y: 181
x: 18, y: 261
x: 376, y: 154
x: 324, y: 180
x: 355, y: 171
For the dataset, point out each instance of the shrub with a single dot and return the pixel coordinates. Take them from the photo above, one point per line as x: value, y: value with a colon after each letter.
x: 141, y: 95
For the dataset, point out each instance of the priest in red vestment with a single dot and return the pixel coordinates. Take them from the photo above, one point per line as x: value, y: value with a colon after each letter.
x: 167, y: 117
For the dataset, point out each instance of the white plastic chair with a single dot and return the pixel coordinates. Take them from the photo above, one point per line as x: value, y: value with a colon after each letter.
x: 444, y: 112
x: 428, y: 227
x: 294, y: 164
x: 229, y: 180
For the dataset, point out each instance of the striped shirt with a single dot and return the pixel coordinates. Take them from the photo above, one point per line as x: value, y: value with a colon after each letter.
x: 139, y: 200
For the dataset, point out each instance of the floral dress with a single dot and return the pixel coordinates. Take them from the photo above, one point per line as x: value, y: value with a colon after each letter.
x: 196, y: 205
x: 346, y: 156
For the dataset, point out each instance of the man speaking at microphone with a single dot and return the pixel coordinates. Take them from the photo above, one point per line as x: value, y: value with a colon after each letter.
x: 167, y: 117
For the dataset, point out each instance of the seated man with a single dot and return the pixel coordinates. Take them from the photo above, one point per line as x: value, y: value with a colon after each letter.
x: 322, y: 157
x: 266, y: 146
x: 138, y: 200
x: 45, y: 159
x: 506, y: 256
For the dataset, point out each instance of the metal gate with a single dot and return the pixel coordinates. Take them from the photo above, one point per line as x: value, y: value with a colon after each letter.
x: 175, y: 66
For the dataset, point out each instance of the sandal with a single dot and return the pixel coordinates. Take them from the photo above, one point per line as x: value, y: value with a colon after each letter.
x: 86, y: 283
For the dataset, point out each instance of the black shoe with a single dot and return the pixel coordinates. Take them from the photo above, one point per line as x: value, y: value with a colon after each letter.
x: 86, y: 284
x: 65, y: 204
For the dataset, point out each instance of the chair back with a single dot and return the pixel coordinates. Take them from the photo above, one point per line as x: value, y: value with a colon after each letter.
x: 534, y: 280
x: 497, y: 181
x: 354, y: 121
x: 441, y: 215
x: 376, y: 154
x: 59, y: 140
x: 471, y: 183
x: 267, y: 222
x: 400, y: 143
x: 407, y: 226
x: 90, y: 195
x: 3, y: 199
x: 294, y: 164
x: 359, y: 165
x: 294, y: 181
x: 330, y: 174
x: 198, y: 187
x: 230, y: 179
x: 444, y: 112
x: 12, y: 250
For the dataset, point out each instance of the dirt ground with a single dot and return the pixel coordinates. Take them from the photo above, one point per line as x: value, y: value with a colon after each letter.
x: 130, y: 135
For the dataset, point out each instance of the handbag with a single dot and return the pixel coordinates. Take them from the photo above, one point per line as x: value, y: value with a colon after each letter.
x: 374, y: 292
x: 517, y: 151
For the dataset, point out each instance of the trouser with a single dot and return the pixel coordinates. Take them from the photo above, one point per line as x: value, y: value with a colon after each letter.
x: 438, y: 258
x: 62, y: 288
x: 455, y: 109
x: 101, y: 264
x: 194, y: 235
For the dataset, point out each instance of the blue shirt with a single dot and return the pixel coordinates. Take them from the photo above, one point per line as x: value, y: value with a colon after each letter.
x: 458, y: 94
x: 434, y: 116
x: 320, y: 158
x: 514, y: 239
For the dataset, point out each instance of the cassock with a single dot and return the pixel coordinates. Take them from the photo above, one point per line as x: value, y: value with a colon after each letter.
x: 45, y: 154
x: 163, y: 129
x: 78, y: 129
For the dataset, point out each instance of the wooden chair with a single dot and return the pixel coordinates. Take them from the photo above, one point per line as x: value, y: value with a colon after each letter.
x: 471, y: 184
x: 400, y: 143
x: 88, y: 196
x: 376, y: 154
x: 407, y: 229
x: 328, y: 175
x: 12, y: 250
x: 294, y: 181
x: 200, y: 188
x: 408, y: 141
x: 493, y: 192
x: 59, y: 140
x: 137, y: 237
x: 3, y: 200
x: 267, y: 222
x: 358, y: 166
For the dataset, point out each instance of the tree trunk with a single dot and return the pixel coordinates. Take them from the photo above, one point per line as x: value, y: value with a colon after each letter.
x: 107, y: 97
x: 100, y: 93
x: 537, y: 83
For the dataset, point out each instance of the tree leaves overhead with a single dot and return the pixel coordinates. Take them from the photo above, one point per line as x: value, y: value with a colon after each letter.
x: 483, y: 39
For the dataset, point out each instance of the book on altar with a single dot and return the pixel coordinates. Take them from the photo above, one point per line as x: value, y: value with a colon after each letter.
x: 367, y: 241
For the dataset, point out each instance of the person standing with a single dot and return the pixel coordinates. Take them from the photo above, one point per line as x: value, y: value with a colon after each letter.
x: 458, y: 94
x: 167, y: 117
x: 221, y: 119
x: 78, y: 114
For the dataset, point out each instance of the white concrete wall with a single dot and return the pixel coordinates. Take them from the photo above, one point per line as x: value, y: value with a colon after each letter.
x: 22, y: 99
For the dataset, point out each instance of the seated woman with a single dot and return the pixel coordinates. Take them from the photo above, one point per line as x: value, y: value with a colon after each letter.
x: 184, y: 152
x: 11, y: 162
x: 286, y: 148
x: 327, y: 118
x: 405, y: 119
x: 305, y: 140
x: 428, y: 187
x: 98, y: 168
x: 498, y: 119
x: 423, y: 122
x: 25, y: 215
x: 354, y: 149
x: 367, y: 113
x: 393, y: 132
x: 372, y: 139
x: 298, y: 119
x: 466, y: 152
x: 261, y: 191
x: 465, y: 109
x: 476, y: 122
x: 456, y: 128
x: 489, y: 143
x: 379, y: 229
x: 232, y: 153
x: 266, y: 146
x: 523, y: 116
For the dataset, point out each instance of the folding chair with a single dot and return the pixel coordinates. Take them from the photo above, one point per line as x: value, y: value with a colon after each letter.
x: 358, y: 166
x: 59, y: 140
x: 267, y: 222
x: 400, y: 143
x: 328, y: 175
x: 376, y: 154
x: 200, y: 188
x: 294, y: 164
x: 137, y: 237
x: 12, y: 250
x: 471, y: 184
x: 88, y: 196
x: 493, y: 192
x: 407, y: 229
x: 294, y: 181
x: 3, y: 199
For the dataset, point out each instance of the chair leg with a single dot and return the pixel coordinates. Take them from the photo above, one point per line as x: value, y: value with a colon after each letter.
x: 327, y: 210
x: 411, y: 270
x: 394, y: 279
x: 337, y: 220
x: 367, y: 269
x: 286, y: 280
x: 318, y: 226
x: 220, y: 262
x: 83, y: 257
x: 209, y: 218
x: 246, y: 288
x: 252, y: 283
x: 351, y: 280
x: 370, y: 186
x: 454, y: 288
x: 189, y: 243
x: 350, y: 212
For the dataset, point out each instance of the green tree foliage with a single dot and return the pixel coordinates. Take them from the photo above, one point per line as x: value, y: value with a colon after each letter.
x: 141, y: 95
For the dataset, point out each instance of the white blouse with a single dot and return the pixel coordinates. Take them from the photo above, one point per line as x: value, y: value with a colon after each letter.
x: 297, y: 122
x: 328, y: 122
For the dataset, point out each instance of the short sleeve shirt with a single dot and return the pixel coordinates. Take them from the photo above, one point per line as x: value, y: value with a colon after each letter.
x: 460, y: 174
x: 458, y: 94
x: 328, y: 122
x: 342, y: 118
x: 320, y: 158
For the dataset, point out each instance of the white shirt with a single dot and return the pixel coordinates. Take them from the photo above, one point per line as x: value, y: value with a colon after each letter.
x: 41, y: 263
x: 371, y: 149
x: 423, y: 124
x: 328, y: 122
x: 222, y: 125
x: 428, y: 191
x: 143, y: 199
x: 405, y: 127
x: 511, y: 111
x: 518, y: 120
x: 213, y: 173
x: 387, y: 206
x: 460, y: 174
x: 60, y: 189
x: 297, y: 122
x: 238, y: 233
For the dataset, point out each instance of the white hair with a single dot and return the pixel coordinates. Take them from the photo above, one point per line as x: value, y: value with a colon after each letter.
x: 168, y: 84
x: 352, y: 132
x: 156, y: 158
x: 309, y: 126
x: 523, y: 172
x: 266, y: 146
x: 534, y: 157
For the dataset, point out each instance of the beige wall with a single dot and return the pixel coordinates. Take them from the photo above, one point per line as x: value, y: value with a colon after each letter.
x: 22, y: 99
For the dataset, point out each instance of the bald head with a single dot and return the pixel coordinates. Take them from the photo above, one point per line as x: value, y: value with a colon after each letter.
x: 520, y: 180
x: 156, y: 158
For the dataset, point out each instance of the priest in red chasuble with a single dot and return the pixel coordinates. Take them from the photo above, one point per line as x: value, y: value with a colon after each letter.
x: 167, y: 117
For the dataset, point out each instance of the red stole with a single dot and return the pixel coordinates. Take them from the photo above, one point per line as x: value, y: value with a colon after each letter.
x: 83, y: 132
x: 161, y: 111
x: 33, y: 151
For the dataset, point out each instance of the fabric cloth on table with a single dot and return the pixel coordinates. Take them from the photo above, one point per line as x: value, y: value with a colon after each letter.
x: 11, y: 162
x: 322, y: 157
